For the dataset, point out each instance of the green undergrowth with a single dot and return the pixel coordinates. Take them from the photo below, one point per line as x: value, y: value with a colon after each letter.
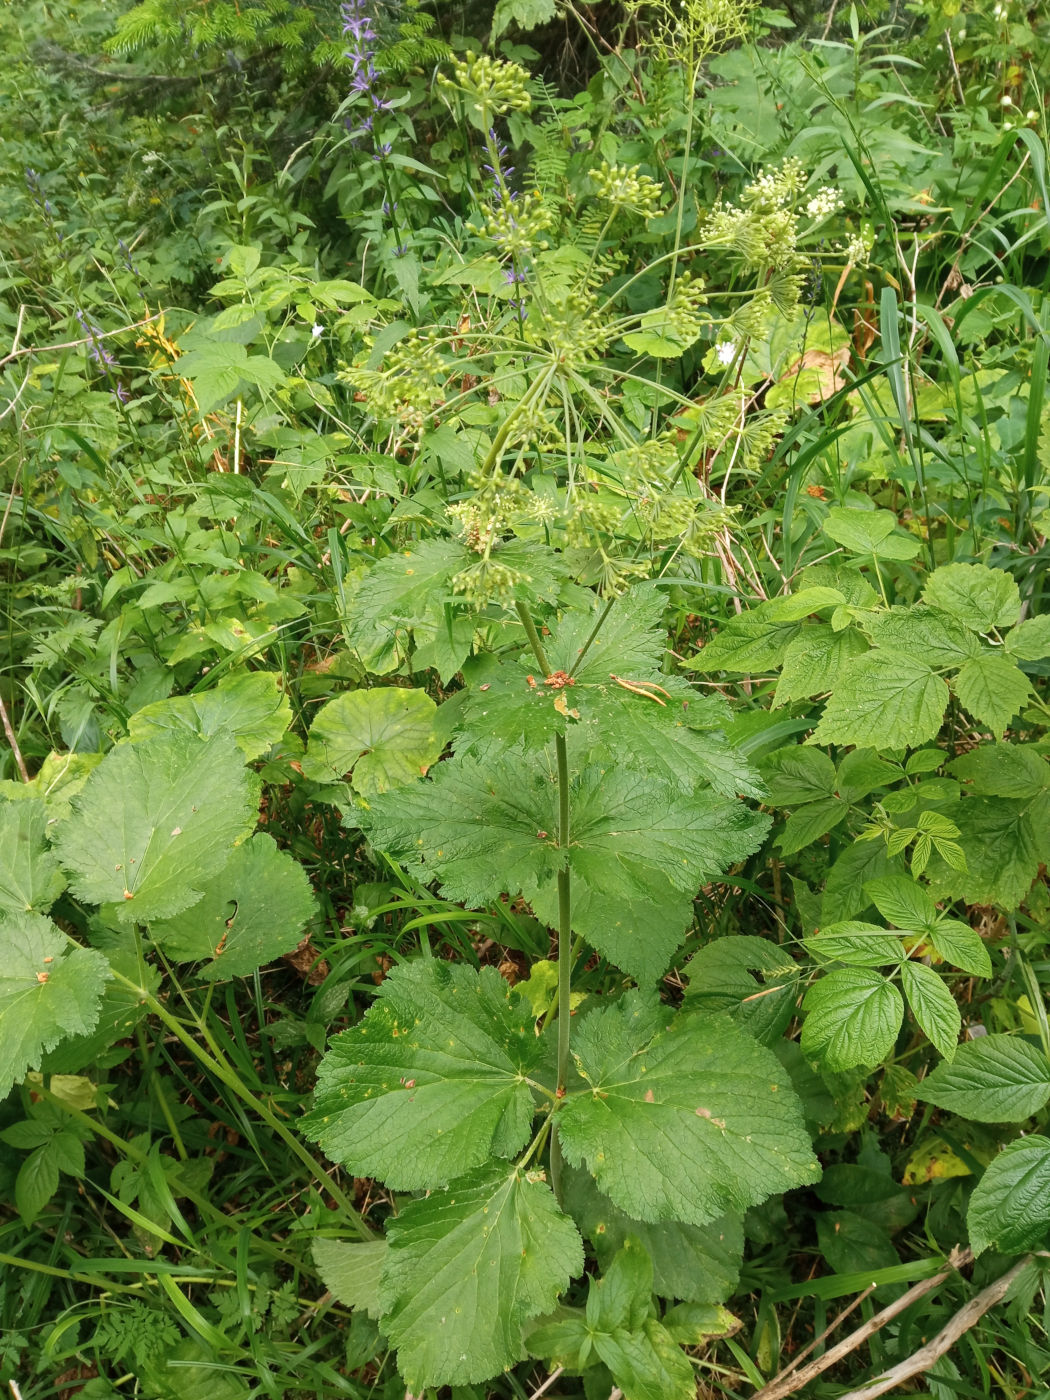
x: 524, y: 807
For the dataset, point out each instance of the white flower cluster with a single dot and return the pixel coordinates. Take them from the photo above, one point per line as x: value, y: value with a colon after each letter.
x: 775, y: 188
x: 858, y: 249
x: 825, y: 202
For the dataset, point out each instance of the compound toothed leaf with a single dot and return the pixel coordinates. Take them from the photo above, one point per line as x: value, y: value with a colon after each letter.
x: 995, y: 1079
x: 49, y: 989
x: 433, y: 1081
x: 155, y: 821
x: 885, y: 700
x: 467, y: 1268
x: 853, y: 1016
x: 683, y: 1120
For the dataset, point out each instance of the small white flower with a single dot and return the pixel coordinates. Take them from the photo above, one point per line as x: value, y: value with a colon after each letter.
x: 825, y: 202
x: 726, y: 352
x: 317, y: 332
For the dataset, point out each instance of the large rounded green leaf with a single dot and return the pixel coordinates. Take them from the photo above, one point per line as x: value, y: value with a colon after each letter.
x: 382, y: 738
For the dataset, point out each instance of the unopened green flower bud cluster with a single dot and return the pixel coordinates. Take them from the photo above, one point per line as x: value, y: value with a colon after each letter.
x: 411, y: 384
x: 497, y: 87
x: 626, y: 188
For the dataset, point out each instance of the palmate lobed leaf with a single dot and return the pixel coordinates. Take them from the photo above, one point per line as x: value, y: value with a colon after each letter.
x: 485, y: 828
x: 467, y: 1268
x: 155, y: 821
x: 699, y: 1263
x: 249, y: 705
x: 387, y: 736
x: 433, y: 1081
x: 30, y: 880
x: 49, y: 989
x: 251, y: 912
x: 684, y: 1119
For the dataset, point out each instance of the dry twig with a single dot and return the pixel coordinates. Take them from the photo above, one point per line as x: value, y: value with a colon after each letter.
x: 791, y: 1380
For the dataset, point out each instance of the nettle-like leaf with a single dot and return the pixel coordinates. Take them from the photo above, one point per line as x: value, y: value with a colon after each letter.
x: 683, y: 1120
x: 249, y: 705
x: 386, y: 737
x: 981, y: 598
x: 488, y: 828
x: 466, y: 1270
x: 994, y: 1079
x: 993, y: 690
x: 816, y: 662
x: 886, y: 699
x: 49, y: 989
x: 434, y: 1079
x: 853, y: 1016
x: 30, y: 879
x: 721, y: 979
x: 1010, y: 1207
x: 155, y: 821
x: 251, y: 912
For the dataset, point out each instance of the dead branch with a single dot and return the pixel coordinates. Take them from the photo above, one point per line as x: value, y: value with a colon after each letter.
x: 791, y: 1380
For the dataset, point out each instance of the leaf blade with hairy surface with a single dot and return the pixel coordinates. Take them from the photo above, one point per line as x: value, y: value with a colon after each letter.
x: 30, y: 878
x: 49, y: 989
x: 816, y: 662
x: 993, y: 1079
x: 885, y: 700
x: 254, y: 910
x: 351, y: 1272
x: 154, y: 821
x: 467, y: 1268
x: 698, y: 1263
x: 432, y: 1082
x: 683, y: 1122
x: 1010, y: 1207
x: 853, y: 1017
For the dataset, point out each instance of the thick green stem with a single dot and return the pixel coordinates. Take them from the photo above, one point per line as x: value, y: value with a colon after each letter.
x: 564, y: 946
x: 565, y: 952
x: 534, y: 637
x: 224, y: 1071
